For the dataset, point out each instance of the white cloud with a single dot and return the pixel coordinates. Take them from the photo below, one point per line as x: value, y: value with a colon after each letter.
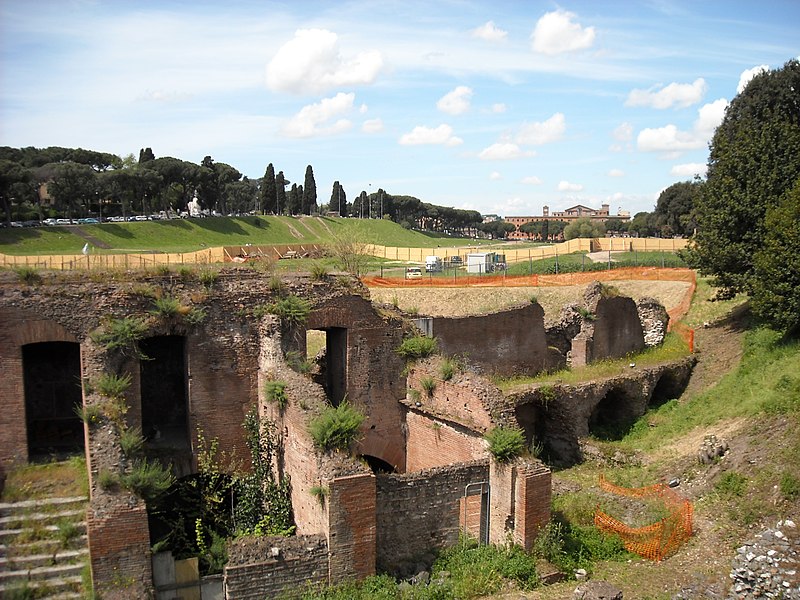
x: 616, y: 173
x: 566, y: 186
x: 747, y: 75
x: 498, y: 108
x: 490, y: 32
x: 689, y: 170
x: 372, y: 126
x: 679, y: 95
x: 495, y: 176
x: 672, y: 141
x: 455, y: 102
x: 709, y: 117
x: 667, y: 139
x: 545, y: 132
x: 503, y: 151
x: 555, y: 33
x: 441, y: 135
x: 623, y: 132
x: 312, y: 119
x: 311, y: 63
x: 532, y: 180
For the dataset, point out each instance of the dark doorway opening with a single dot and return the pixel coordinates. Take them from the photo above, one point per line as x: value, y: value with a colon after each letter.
x: 52, y: 381
x: 165, y: 419
x: 613, y: 416
x: 332, y: 363
x: 378, y: 465
x: 669, y: 387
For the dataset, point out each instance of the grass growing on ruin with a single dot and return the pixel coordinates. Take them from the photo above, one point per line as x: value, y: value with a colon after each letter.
x: 673, y: 348
x: 336, y: 428
x: 766, y: 382
x: 57, y: 478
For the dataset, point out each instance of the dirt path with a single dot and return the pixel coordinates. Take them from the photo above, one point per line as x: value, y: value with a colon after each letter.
x: 89, y: 238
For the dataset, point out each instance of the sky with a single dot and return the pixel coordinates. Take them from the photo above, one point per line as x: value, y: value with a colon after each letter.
x: 501, y: 107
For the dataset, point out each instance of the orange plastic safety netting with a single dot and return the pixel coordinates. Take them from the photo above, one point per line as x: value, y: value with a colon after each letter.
x: 655, y: 541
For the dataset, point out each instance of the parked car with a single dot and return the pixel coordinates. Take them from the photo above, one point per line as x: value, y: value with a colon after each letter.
x: 413, y: 273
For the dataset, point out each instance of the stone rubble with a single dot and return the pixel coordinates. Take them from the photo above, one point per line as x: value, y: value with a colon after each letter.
x: 768, y: 566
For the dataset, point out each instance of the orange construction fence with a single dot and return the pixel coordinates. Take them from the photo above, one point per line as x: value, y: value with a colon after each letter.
x: 655, y: 541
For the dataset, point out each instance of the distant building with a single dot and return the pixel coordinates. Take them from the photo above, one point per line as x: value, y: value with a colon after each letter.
x: 568, y: 215
x: 491, y: 218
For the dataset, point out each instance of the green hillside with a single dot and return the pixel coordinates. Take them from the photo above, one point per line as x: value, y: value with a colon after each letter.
x: 186, y: 235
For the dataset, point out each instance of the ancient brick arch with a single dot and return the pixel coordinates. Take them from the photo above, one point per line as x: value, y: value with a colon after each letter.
x: 21, y: 329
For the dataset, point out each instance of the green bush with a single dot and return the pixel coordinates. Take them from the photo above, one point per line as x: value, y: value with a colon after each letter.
x: 275, y: 392
x: 166, y: 306
x: 292, y: 309
x: 336, y: 428
x: 571, y: 547
x: 196, y: 316
x: 107, y: 480
x: 428, y: 384
x: 318, y: 271
x: 319, y: 492
x: 28, y: 275
x: 447, y: 369
x: 111, y: 385
x: 789, y: 487
x: 91, y: 414
x: 731, y: 484
x: 208, y: 277
x: 505, y: 443
x: 131, y: 441
x: 417, y: 347
x: 147, y: 480
x: 121, y: 335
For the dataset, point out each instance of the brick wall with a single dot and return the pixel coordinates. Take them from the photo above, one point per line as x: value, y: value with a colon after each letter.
x: 119, y: 547
x: 505, y: 343
x: 520, y: 501
x: 419, y: 512
x: 373, y: 378
x: 435, y: 442
x: 19, y: 327
x: 261, y: 568
x: 352, y: 527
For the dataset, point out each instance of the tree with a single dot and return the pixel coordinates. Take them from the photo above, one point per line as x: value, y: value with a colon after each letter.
x: 497, y: 229
x: 269, y: 193
x: 146, y: 155
x: 294, y: 202
x: 674, y: 213
x: 584, y: 228
x: 280, y: 192
x: 12, y: 174
x: 73, y: 187
x: 338, y: 201
x: 775, y: 287
x: 754, y: 159
x: 640, y: 225
x: 309, y: 192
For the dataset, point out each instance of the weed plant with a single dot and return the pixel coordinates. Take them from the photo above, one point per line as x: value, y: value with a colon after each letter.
x: 336, y: 428
x: 447, y: 369
x: 417, y: 347
x: 148, y: 480
x: 428, y: 385
x: 167, y: 307
x: 28, y: 275
x: 111, y: 385
x: 121, y: 335
x: 275, y: 393
x: 131, y: 441
x: 505, y: 443
x: 291, y: 309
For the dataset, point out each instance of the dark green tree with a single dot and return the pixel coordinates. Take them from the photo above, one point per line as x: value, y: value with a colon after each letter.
x: 309, y: 192
x: 338, y: 201
x: 754, y: 159
x: 641, y: 224
x: 12, y: 174
x: 146, y: 155
x: 280, y: 192
x: 294, y: 201
x: 775, y: 286
x: 269, y: 193
x: 674, y: 213
x: 73, y: 188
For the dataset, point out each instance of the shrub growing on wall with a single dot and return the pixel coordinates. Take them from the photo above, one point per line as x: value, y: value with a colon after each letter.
x: 417, y: 347
x: 505, y: 443
x: 336, y: 428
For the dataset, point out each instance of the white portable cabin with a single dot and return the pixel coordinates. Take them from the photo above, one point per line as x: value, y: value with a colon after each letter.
x: 480, y: 262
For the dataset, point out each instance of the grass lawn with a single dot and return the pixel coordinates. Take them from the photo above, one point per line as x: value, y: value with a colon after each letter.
x: 187, y: 235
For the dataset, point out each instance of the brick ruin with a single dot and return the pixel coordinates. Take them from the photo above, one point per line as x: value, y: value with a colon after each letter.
x: 420, y: 473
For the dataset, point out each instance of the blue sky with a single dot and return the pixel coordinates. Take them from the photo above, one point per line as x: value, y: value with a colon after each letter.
x: 500, y: 107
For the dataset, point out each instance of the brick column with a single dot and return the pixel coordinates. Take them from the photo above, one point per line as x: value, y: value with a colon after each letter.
x: 352, y: 527
x: 532, y: 504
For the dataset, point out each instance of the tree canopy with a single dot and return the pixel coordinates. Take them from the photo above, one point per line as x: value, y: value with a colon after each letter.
x: 754, y: 160
x: 584, y: 228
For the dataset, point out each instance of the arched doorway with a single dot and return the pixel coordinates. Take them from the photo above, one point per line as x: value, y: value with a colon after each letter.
x: 52, y: 381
